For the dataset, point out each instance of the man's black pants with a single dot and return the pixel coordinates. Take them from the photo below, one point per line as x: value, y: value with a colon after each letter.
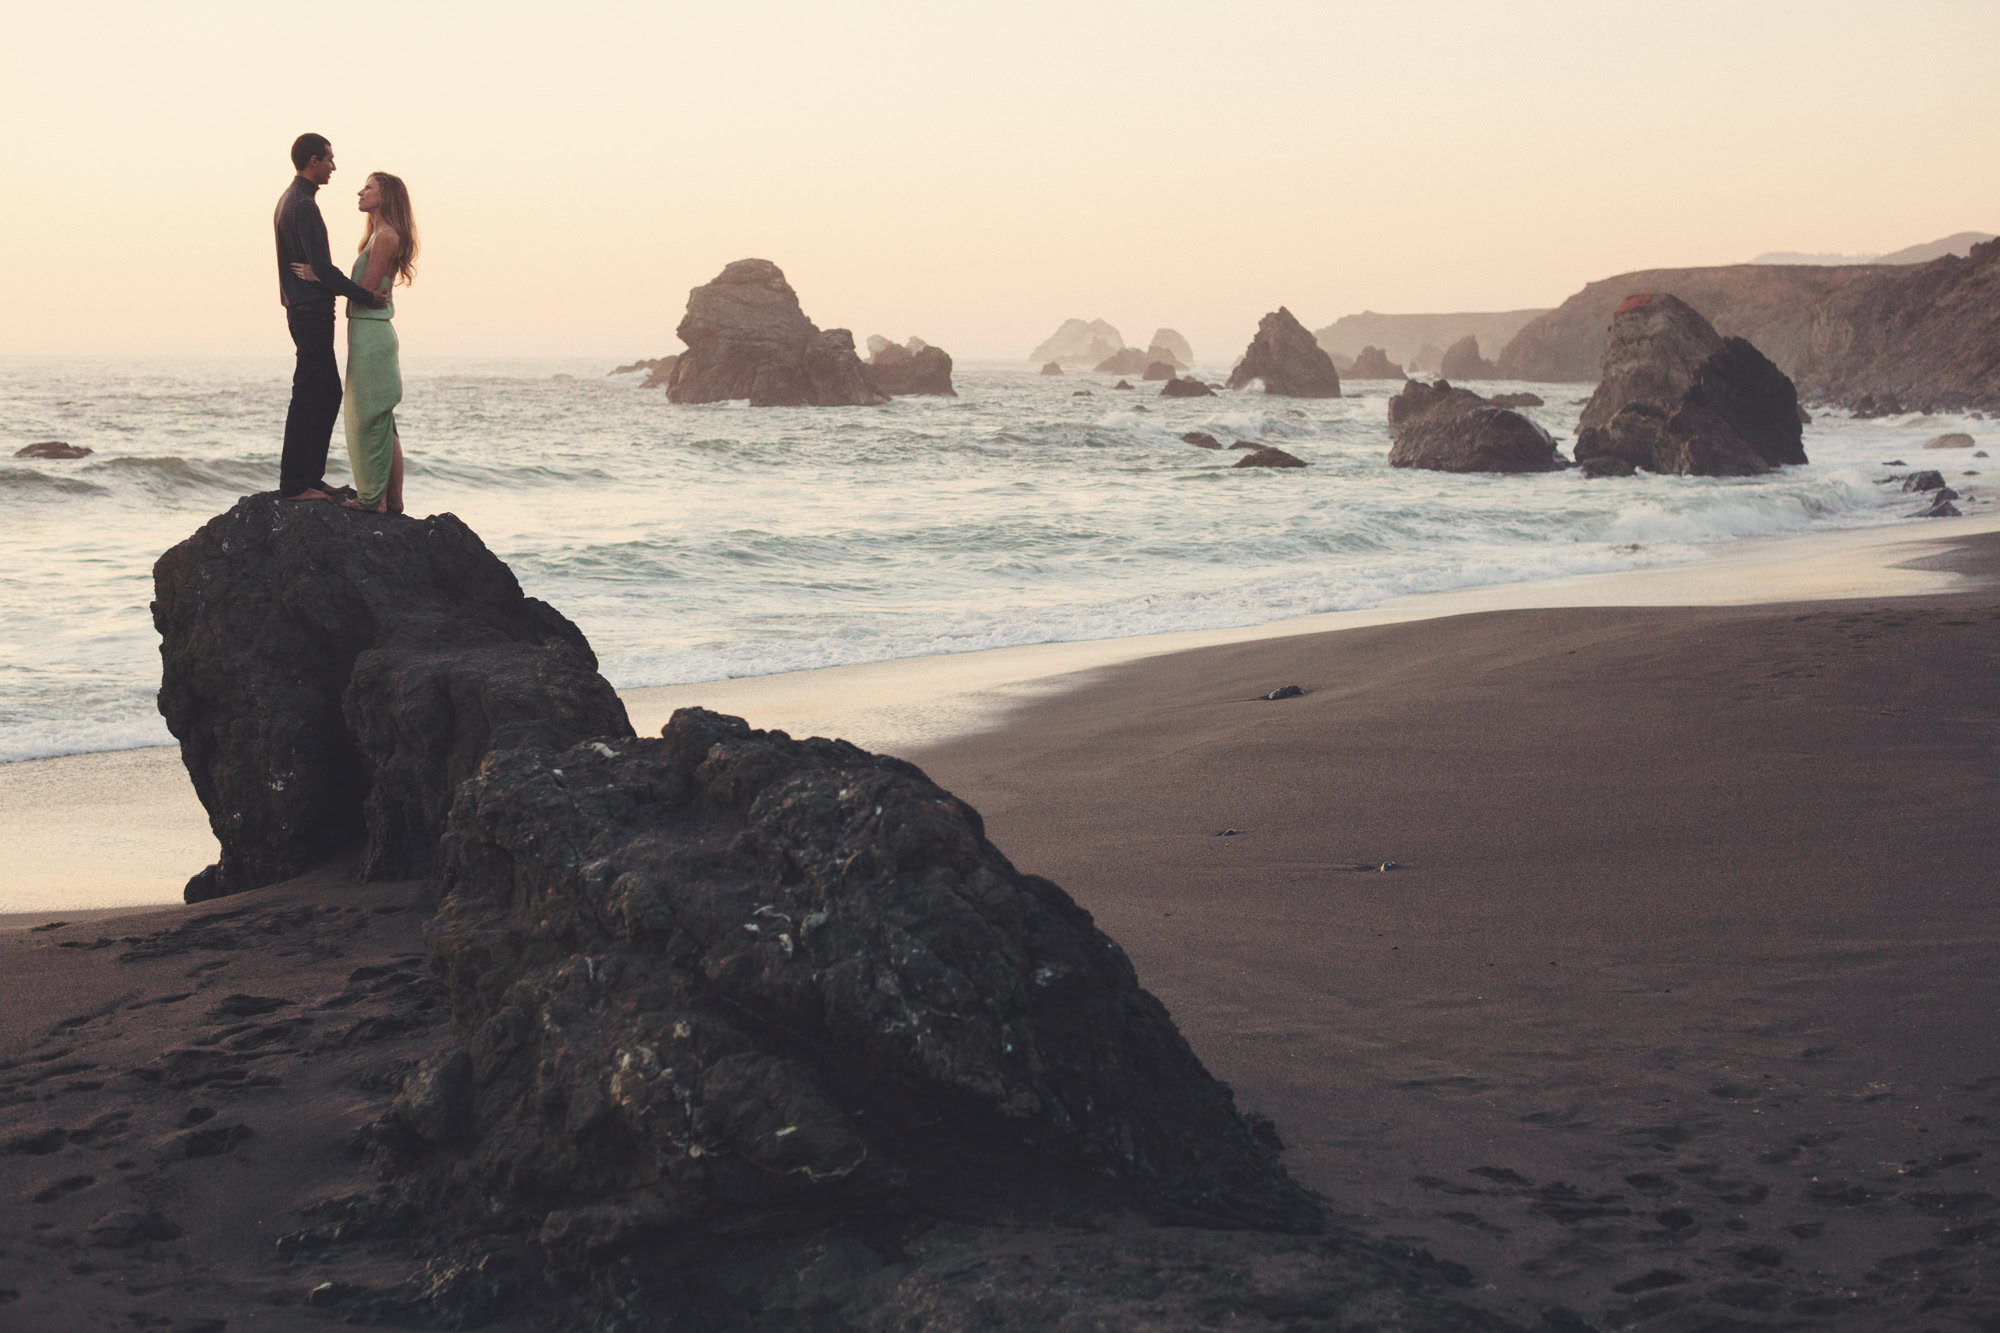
x: 315, y: 401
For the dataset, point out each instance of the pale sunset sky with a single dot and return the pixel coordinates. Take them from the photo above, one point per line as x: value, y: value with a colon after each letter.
x: 973, y: 173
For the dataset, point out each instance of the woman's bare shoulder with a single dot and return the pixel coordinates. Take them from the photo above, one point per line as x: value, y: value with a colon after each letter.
x: 386, y: 236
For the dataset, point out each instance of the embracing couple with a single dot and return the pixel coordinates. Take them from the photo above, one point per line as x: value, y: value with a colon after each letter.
x: 307, y: 285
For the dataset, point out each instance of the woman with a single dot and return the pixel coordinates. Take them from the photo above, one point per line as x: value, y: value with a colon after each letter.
x: 387, y: 255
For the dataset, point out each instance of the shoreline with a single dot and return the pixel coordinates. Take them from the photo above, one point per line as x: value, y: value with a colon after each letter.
x: 121, y: 830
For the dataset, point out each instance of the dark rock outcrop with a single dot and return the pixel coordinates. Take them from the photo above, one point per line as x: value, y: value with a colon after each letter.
x: 726, y: 984
x: 1925, y: 338
x: 1957, y: 439
x: 1448, y: 429
x: 1078, y: 343
x: 1286, y: 358
x: 1372, y: 363
x: 1771, y: 305
x: 661, y: 373
x: 1263, y: 455
x: 1124, y: 361
x: 332, y: 675
x: 1940, y: 507
x: 1201, y: 439
x: 1185, y: 387
x: 1677, y: 397
x: 1462, y: 361
x: 1158, y: 370
x: 54, y: 449
x: 1515, y: 400
x: 747, y: 338
x: 1052, y: 368
x: 1607, y: 465
x: 1923, y: 481
x: 900, y: 370
x: 1121, y: 384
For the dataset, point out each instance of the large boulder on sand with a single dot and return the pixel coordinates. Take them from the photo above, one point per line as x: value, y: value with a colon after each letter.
x: 1677, y: 397
x: 747, y: 338
x: 1448, y: 429
x: 332, y: 675
x: 1374, y: 364
x: 729, y: 984
x: 1462, y: 361
x: 1288, y: 359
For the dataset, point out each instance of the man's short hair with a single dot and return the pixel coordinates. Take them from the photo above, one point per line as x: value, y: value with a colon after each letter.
x: 307, y: 147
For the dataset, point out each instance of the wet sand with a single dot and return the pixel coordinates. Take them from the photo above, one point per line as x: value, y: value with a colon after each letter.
x: 1678, y: 1004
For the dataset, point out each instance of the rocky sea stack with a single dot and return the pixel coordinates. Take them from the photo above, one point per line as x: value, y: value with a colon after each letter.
x: 1462, y: 361
x: 747, y: 338
x: 1448, y: 429
x: 1287, y: 359
x: 1677, y: 397
x: 909, y: 368
x: 1374, y: 364
x: 333, y: 675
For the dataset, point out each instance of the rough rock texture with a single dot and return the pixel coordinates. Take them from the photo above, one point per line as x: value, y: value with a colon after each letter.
x: 1124, y: 361
x: 1515, y: 400
x: 1462, y: 361
x: 1286, y: 358
x: 332, y: 675
x: 1372, y: 363
x: 1926, y: 337
x: 1403, y: 338
x: 1263, y: 455
x: 1607, y: 465
x: 54, y: 449
x: 898, y: 372
x: 1178, y: 351
x: 747, y: 338
x: 1158, y: 370
x: 1078, y: 343
x: 1185, y: 387
x: 729, y: 984
x: 1201, y: 439
x: 1771, y: 305
x: 1447, y: 429
x: 1052, y: 368
x: 661, y: 373
x: 1677, y: 397
x: 1954, y: 440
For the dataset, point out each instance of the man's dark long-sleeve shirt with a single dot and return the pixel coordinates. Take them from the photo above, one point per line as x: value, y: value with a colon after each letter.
x: 302, y: 240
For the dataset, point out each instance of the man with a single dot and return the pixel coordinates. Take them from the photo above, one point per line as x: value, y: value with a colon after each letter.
x: 309, y: 311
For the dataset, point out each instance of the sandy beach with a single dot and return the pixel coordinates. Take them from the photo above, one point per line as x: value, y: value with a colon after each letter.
x: 1672, y: 1009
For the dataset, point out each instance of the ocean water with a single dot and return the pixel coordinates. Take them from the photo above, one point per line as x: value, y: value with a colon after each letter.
x: 696, y: 543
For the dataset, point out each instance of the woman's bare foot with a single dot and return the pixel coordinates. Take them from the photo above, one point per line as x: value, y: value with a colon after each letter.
x: 381, y: 506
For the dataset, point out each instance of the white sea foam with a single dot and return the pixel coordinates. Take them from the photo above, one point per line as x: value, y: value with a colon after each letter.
x: 702, y: 543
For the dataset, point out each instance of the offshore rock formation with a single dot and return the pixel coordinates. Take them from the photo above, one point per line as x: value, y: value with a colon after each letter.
x: 54, y: 449
x: 1770, y: 305
x: 1286, y: 358
x: 1158, y: 370
x: 1264, y: 455
x: 1677, y: 397
x: 1185, y: 386
x: 725, y: 987
x: 913, y: 367
x: 658, y: 370
x: 1462, y: 361
x: 1925, y: 338
x: 1374, y: 364
x: 1448, y: 429
x: 1052, y: 368
x: 1124, y: 361
x: 747, y: 338
x: 332, y: 675
x: 1169, y: 346
x: 1078, y: 343
x: 1403, y: 338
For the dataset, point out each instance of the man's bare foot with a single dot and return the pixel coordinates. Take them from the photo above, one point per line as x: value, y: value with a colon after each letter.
x: 309, y: 493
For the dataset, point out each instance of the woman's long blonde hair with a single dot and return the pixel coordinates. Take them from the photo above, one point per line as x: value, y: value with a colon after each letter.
x: 395, y: 211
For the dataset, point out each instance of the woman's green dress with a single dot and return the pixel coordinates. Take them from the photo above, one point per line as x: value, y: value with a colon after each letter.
x: 374, y: 387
